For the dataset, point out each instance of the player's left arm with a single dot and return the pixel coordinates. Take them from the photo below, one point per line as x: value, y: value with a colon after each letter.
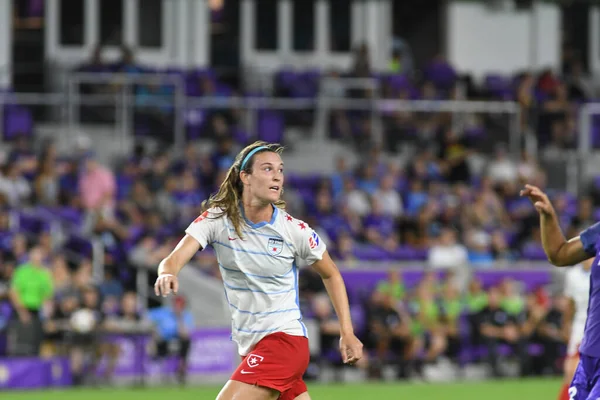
x: 350, y: 346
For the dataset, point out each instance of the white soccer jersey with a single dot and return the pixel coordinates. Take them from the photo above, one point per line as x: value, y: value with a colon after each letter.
x: 260, y: 272
x: 577, y: 287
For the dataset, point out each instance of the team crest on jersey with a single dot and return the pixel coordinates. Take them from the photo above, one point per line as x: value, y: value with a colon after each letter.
x: 275, y: 246
x: 253, y: 360
x: 313, y: 240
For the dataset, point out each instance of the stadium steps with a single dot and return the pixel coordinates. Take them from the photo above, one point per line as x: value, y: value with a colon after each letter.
x: 206, y: 298
x: 104, y: 140
x: 315, y: 157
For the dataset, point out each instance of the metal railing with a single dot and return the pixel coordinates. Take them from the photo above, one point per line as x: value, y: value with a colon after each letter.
x: 124, y: 100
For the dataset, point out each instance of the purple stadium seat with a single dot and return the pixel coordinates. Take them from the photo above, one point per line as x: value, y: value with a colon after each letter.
x: 32, y: 223
x: 71, y: 215
x: 398, y: 82
x: 441, y: 74
x: 239, y: 135
x: 359, y: 319
x: 595, y: 136
x: 408, y: 253
x: 370, y: 253
x: 475, y: 132
x: 270, y: 126
x: 496, y: 84
x: 534, y: 251
x: 17, y: 121
x: 79, y: 245
x: 286, y: 78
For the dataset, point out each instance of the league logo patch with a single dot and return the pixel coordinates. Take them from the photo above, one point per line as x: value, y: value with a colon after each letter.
x: 313, y: 240
x: 275, y: 246
x: 253, y: 360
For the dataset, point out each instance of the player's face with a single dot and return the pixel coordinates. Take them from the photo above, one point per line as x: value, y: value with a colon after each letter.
x: 266, y: 180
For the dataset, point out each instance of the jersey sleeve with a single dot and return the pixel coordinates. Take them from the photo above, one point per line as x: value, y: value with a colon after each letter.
x: 589, y: 238
x: 309, y: 245
x: 204, y: 227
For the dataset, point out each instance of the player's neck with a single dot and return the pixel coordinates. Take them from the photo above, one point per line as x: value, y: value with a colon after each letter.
x: 257, y: 212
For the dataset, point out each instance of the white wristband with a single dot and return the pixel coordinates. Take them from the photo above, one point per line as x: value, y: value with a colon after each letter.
x: 165, y: 275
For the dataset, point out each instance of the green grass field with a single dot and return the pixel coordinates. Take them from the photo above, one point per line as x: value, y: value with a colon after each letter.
x: 498, y: 390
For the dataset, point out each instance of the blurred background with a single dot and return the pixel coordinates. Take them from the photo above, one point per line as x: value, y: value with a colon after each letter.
x: 409, y: 126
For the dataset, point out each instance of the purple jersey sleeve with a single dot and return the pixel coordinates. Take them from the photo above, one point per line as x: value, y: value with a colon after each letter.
x: 589, y: 238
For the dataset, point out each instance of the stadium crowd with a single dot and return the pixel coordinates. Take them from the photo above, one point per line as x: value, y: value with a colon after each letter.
x: 438, y: 207
x: 434, y: 321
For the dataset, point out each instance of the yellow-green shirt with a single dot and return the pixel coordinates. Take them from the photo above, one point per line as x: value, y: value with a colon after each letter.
x: 33, y: 285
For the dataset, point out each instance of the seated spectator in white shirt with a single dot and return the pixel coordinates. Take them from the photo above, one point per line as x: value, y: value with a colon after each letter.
x: 447, y: 252
x: 388, y: 197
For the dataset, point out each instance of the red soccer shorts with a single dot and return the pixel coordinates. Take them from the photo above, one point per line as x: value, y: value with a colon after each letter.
x: 277, y: 362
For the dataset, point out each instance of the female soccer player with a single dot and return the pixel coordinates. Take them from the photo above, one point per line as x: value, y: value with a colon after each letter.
x: 562, y: 252
x: 577, y: 289
x: 257, y: 245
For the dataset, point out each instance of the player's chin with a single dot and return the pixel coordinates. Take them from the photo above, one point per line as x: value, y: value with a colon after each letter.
x: 273, y: 196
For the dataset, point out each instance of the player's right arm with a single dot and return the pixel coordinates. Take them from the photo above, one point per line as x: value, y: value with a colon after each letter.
x: 199, y: 234
x: 560, y: 252
x: 169, y: 268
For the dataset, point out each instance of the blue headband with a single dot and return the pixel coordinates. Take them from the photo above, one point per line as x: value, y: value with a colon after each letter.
x: 250, y: 154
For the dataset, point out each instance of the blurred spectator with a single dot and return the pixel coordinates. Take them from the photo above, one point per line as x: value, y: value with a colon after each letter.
x: 447, y: 253
x: 62, y: 281
x: 30, y: 289
x: 428, y: 321
x: 338, y: 178
x: 527, y: 167
x: 502, y: 168
x: 329, y: 326
x: 554, y: 333
x: 362, y: 61
x: 498, y: 327
x: 389, y: 332
x: 47, y: 184
x: 479, y: 245
x: 356, y: 200
x: 453, y: 152
x: 452, y: 309
x: 393, y: 286
x: 402, y: 60
x: 526, y: 99
x: 173, y: 327
x: 380, y: 229
x: 13, y: 185
x: 97, y: 187
x: 94, y: 63
x: 389, y: 199
x: 530, y: 321
x: 580, y: 86
x: 476, y: 302
x: 512, y: 302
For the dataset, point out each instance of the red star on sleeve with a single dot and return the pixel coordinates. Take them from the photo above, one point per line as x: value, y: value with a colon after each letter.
x: 302, y: 225
x: 289, y: 217
x: 201, y: 217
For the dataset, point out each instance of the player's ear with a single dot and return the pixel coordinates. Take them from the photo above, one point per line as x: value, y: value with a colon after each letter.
x: 244, y: 177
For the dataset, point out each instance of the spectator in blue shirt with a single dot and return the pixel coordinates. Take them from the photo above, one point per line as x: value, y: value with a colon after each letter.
x: 173, y: 327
